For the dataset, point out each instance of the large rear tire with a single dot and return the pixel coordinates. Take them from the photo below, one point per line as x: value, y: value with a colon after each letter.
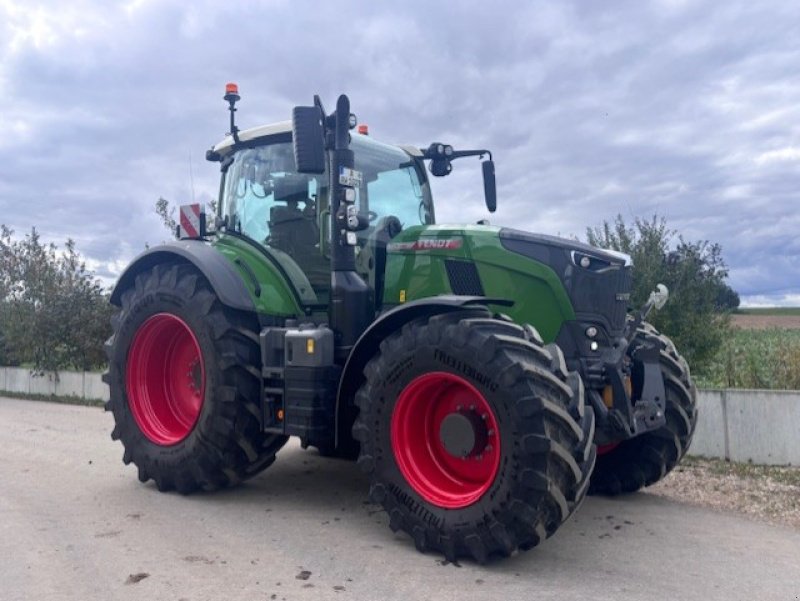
x: 638, y: 462
x: 476, y: 438
x: 184, y: 384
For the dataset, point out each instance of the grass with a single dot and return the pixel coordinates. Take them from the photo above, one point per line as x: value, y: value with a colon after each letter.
x: 755, y: 359
x: 51, y: 398
x: 769, y: 311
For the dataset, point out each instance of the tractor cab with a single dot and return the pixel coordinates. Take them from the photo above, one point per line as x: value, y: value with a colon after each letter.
x: 288, y: 214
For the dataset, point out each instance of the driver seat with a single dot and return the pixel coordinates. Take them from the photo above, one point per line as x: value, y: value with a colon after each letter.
x: 296, y: 233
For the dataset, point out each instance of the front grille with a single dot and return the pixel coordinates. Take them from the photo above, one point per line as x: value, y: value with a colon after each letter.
x: 464, y: 278
x: 619, y: 310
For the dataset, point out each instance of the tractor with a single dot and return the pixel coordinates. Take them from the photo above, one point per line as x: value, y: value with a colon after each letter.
x: 486, y: 379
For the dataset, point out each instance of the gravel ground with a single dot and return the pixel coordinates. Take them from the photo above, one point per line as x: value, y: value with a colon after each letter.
x: 768, y: 494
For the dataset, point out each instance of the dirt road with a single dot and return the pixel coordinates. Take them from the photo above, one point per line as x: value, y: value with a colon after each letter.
x: 76, y: 524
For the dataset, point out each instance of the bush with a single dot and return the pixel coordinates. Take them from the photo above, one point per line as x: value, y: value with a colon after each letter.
x: 53, y: 313
x: 695, y: 274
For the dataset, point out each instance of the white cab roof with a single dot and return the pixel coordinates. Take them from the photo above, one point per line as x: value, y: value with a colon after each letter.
x: 246, y: 135
x: 282, y: 127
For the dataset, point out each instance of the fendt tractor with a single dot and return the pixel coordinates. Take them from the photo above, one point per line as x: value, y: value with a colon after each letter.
x: 486, y: 378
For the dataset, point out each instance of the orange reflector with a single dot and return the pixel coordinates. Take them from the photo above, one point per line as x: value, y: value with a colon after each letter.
x: 608, y: 396
x: 280, y: 415
x: 608, y: 392
x: 231, y: 88
x: 363, y: 129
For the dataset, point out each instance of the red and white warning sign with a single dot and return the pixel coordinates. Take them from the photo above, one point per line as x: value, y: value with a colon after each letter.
x: 191, y: 218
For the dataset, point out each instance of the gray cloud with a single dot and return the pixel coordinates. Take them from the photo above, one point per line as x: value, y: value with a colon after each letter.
x: 691, y: 110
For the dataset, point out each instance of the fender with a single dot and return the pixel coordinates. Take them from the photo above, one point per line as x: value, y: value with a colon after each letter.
x: 219, y: 272
x: 369, y: 342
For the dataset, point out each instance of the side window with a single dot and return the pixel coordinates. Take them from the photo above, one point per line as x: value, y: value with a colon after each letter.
x: 262, y: 190
x: 398, y: 193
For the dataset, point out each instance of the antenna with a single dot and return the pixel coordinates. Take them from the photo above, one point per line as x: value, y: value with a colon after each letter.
x: 191, y: 174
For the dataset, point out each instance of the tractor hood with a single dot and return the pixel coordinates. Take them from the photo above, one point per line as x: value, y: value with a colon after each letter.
x: 540, y: 247
x: 597, y: 281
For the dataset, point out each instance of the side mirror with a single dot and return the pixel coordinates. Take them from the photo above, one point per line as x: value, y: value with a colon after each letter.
x: 308, y: 140
x: 489, y: 186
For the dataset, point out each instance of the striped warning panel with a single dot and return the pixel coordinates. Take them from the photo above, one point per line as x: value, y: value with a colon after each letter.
x: 190, y: 221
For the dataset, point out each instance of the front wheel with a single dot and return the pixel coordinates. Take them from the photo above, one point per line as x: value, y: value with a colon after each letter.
x: 638, y: 462
x: 476, y: 438
x: 184, y: 384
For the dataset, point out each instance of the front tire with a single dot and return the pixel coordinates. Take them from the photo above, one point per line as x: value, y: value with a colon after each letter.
x: 476, y: 438
x: 184, y: 384
x: 638, y: 462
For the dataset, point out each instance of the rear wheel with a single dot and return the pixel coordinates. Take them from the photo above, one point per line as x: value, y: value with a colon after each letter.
x: 184, y: 384
x: 632, y: 464
x: 476, y: 438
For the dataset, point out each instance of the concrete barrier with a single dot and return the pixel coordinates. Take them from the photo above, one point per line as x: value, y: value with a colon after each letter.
x: 94, y: 387
x: 762, y: 426
x: 87, y: 386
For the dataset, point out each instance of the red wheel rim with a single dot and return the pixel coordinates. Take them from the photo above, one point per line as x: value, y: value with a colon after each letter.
x: 439, y: 477
x: 165, y: 379
x: 604, y: 449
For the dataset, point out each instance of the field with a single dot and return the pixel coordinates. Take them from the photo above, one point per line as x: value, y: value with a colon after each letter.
x: 762, y: 352
x: 766, y: 318
x: 770, y: 311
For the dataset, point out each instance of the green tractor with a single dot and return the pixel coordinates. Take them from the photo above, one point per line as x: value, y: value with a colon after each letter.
x: 486, y: 378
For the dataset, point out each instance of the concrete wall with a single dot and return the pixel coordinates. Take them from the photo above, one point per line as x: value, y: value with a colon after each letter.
x: 762, y: 426
x: 65, y: 383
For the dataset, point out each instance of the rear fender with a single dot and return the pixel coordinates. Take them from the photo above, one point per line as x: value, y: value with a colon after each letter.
x: 219, y: 272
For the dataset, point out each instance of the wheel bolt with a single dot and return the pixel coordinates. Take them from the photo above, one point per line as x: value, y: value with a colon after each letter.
x: 490, y: 432
x: 484, y: 417
x: 488, y: 448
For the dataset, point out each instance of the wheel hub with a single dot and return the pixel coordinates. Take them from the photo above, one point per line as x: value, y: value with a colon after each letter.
x: 463, y: 434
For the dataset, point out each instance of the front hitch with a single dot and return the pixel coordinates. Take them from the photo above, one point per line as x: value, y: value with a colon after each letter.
x: 625, y: 417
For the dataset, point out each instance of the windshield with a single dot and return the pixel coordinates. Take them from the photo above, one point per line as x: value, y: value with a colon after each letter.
x: 262, y: 193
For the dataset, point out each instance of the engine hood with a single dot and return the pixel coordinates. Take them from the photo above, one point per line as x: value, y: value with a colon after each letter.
x: 598, y: 281
x: 540, y: 247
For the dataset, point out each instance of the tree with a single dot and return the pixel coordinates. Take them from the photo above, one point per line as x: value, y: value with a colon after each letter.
x: 727, y: 298
x: 696, y: 316
x: 53, y: 313
x: 167, y: 214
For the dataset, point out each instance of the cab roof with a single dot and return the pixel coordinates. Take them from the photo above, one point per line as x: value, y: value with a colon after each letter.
x: 282, y: 127
x: 253, y: 133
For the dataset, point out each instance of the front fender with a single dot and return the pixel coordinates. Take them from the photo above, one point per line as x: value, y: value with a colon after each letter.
x: 391, y: 321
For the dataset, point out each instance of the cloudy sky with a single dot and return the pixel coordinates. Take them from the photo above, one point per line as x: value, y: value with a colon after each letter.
x: 686, y: 109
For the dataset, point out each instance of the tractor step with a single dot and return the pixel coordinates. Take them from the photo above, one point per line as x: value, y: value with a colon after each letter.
x: 300, y: 382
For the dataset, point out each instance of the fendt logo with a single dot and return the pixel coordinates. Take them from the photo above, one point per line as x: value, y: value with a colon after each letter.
x: 427, y: 244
